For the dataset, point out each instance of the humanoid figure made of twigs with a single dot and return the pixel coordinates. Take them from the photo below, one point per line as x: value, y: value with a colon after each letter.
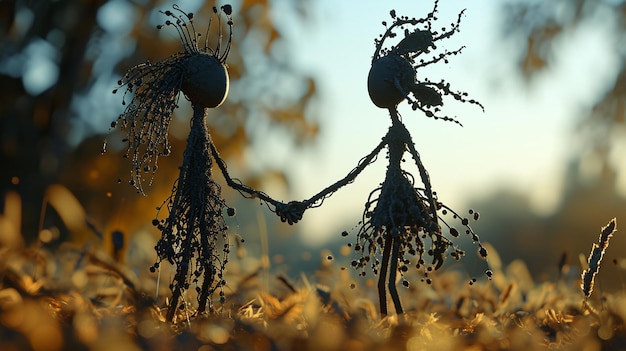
x: 194, y: 237
x: 399, y: 216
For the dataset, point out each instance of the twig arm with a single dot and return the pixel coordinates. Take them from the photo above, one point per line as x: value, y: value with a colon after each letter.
x: 317, y: 199
x: 293, y: 211
x: 236, y: 184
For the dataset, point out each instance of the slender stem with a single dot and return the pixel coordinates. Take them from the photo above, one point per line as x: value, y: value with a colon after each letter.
x: 393, y: 269
x: 382, y: 277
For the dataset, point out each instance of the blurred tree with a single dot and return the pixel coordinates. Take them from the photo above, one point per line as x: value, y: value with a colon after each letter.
x: 61, y: 59
x: 589, y: 194
x: 541, y: 25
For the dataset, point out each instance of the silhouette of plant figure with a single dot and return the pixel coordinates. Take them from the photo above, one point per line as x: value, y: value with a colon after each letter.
x: 194, y: 227
x: 399, y: 216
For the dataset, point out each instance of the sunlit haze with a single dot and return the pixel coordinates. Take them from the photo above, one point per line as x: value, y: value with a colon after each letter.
x: 522, y: 141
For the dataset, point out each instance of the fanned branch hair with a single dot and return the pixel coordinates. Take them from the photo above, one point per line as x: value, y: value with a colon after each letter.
x: 198, y: 72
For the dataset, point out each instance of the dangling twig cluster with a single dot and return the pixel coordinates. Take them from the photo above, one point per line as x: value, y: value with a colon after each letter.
x: 155, y: 89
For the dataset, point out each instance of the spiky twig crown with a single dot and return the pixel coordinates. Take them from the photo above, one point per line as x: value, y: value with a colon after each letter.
x: 189, y: 37
x: 393, y: 75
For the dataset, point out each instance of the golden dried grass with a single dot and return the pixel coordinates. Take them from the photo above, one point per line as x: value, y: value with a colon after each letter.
x: 79, y: 298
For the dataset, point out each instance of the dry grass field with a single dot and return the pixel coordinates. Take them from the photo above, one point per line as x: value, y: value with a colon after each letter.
x: 82, y: 298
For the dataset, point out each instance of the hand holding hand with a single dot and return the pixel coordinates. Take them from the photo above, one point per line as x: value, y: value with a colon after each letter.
x: 291, y: 212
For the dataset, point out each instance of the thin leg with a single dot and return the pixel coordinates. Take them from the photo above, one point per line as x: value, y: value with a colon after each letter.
x: 173, y: 305
x: 208, y: 278
x: 178, y: 283
x: 393, y: 269
x: 382, y: 277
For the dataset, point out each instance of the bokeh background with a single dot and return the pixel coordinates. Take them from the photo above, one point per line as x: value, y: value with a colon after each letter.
x: 544, y: 164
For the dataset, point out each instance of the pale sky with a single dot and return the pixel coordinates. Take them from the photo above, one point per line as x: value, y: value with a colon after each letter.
x: 521, y: 141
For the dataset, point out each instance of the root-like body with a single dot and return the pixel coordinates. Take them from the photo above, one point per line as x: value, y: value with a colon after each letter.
x: 194, y: 237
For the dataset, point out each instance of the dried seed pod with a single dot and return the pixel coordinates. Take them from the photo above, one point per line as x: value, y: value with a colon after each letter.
x: 392, y: 77
x: 389, y: 80
x: 205, y: 80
